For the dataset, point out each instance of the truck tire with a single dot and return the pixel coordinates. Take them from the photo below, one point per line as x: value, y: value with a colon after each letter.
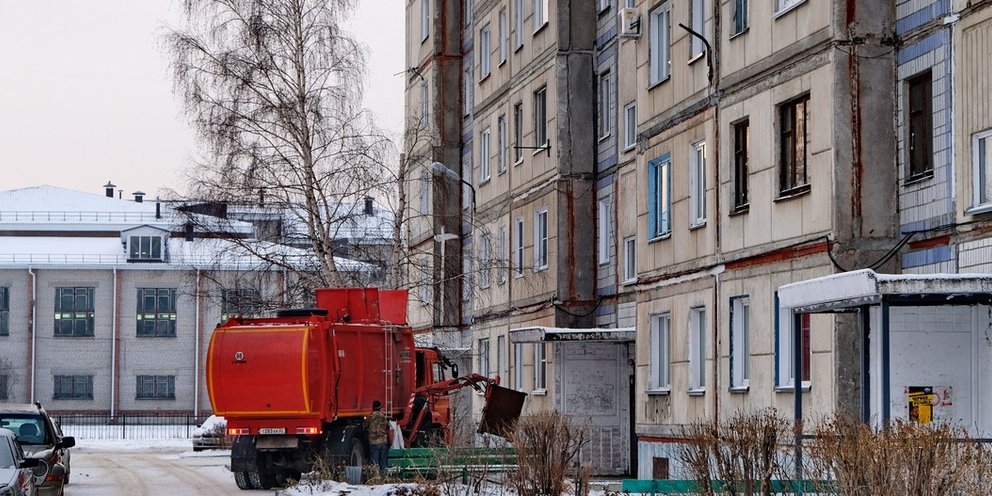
x: 255, y: 480
x: 242, y: 480
x: 357, y: 456
x: 266, y: 479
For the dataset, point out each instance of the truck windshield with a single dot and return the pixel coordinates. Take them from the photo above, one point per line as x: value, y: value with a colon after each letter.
x: 29, y: 428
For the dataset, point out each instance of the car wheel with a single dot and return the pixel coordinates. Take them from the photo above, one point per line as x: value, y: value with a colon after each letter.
x: 242, y: 480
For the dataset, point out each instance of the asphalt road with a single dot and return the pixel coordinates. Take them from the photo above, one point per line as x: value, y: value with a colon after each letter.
x: 157, y: 472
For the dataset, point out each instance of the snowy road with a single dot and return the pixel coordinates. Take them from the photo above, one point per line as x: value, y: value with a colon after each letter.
x: 150, y: 471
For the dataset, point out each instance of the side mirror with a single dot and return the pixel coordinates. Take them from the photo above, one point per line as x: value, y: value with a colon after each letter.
x: 29, y: 463
x: 67, y: 442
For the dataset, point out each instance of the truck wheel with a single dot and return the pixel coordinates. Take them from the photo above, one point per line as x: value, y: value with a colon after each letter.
x: 255, y: 479
x: 242, y: 480
x: 356, y: 453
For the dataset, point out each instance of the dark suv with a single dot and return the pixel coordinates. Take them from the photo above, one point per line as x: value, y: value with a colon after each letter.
x: 42, y: 439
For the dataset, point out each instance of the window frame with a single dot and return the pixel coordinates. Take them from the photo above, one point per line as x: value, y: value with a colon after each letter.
x: 741, y: 153
x: 788, y: 143
x: 484, y: 365
x: 518, y: 133
x: 233, y: 303
x: 697, y: 21
x: 784, y: 375
x: 424, y: 104
x: 144, y: 314
x: 519, y: 229
x: 485, y: 52
x: 503, y: 34
x: 980, y: 198
x: 79, y: 316
x: 540, y: 119
x: 4, y: 387
x: 740, y: 21
x: 484, y: 173
x: 919, y: 119
x: 80, y: 387
x: 697, y: 350
x: 605, y: 97
x: 425, y: 19
x: 518, y: 366
x: 603, y: 219
x: 630, y: 126
x: 485, y: 261
x: 4, y: 311
x: 468, y: 13
x: 163, y: 387
x: 539, y: 17
x: 501, y: 154
x: 542, y: 236
x: 138, y: 252
x: 783, y: 6
x: 660, y: 197
x: 660, y: 44
x: 660, y: 354
x: 468, y: 93
x: 740, y: 343
x: 697, y: 185
x: 501, y: 366
x: 502, y: 255
x: 630, y: 259
x: 540, y: 368
x: 518, y: 24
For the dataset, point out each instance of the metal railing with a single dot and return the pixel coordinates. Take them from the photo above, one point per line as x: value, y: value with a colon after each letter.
x: 128, y: 425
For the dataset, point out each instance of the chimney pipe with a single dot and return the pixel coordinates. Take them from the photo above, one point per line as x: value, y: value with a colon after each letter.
x: 369, y: 209
x: 139, y: 196
x: 109, y: 189
x: 189, y: 231
x: 158, y: 210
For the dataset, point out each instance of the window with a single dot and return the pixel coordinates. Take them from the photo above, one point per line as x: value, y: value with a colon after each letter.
x: 502, y: 36
x: 156, y: 314
x: 4, y: 311
x: 604, y: 232
x: 425, y: 282
x: 425, y: 192
x: 629, y: 259
x: 660, y: 196
x: 501, y: 356
x: 541, y: 239
x: 485, y: 260
x: 424, y: 104
x: 540, y: 367
x: 74, y: 312
x: 501, y: 157
x: 697, y: 185
x: 484, y: 357
x: 604, y: 105
x: 920, y: 126
x: 145, y: 248
x: 485, y: 53
x: 518, y: 133
x: 739, y: 24
x: 742, y: 138
x: 630, y: 3
x: 981, y: 153
x: 73, y: 387
x: 501, y: 256
x: 784, y: 372
x: 604, y: 5
x: 540, y: 14
x: 793, y: 116
x: 518, y: 366
x: 660, y: 353
x: 4, y: 387
x: 540, y: 117
x: 697, y: 349
x: 484, y: 155
x: 518, y: 258
x: 240, y: 303
x: 468, y: 12
x: 518, y: 22
x: 697, y: 13
x: 660, y: 57
x: 629, y: 125
x: 155, y: 387
x: 425, y: 19
x: 469, y: 98
x: 740, y: 338
x: 783, y: 5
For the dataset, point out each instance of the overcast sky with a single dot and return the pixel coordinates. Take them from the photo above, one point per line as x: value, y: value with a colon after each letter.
x: 86, y: 94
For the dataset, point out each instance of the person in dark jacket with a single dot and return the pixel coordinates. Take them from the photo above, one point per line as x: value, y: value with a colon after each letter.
x: 377, y: 429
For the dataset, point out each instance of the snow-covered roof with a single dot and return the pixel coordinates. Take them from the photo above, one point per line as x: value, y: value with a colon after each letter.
x: 543, y: 334
x: 866, y: 287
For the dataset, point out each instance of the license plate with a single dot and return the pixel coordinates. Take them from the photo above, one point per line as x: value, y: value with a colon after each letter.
x: 272, y: 430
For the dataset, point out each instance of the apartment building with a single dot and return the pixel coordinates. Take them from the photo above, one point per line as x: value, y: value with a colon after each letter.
x: 107, y: 304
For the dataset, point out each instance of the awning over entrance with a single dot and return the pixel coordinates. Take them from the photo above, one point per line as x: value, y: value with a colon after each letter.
x: 567, y: 334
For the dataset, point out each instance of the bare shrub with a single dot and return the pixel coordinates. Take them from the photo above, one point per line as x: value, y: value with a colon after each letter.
x: 903, y: 458
x: 747, y: 449
x: 548, y: 445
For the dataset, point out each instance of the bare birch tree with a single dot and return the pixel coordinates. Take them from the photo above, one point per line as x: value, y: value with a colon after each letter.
x: 274, y: 87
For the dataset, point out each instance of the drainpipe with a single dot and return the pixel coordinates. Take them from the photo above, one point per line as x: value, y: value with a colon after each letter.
x: 34, y: 327
x: 196, y: 349
x: 113, y: 349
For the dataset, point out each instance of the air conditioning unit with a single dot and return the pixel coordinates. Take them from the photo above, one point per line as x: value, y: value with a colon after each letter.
x: 630, y: 23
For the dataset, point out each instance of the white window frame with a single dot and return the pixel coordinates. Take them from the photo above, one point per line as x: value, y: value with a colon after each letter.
x: 629, y: 259
x: 660, y: 354
x: 142, y: 247
x: 697, y: 185
x: 503, y: 35
x: 603, y: 238
x: 518, y: 366
x: 783, y: 6
x: 605, y: 123
x: 981, y: 196
x: 540, y: 118
x: 540, y: 16
x: 630, y: 126
x: 501, y: 357
x: 630, y: 4
x: 484, y: 172
x: 426, y: 282
x: 786, y: 376
x: 467, y: 279
x: 518, y: 133
x: 540, y: 368
x: 485, y: 261
x: 425, y: 20
x: 484, y: 357
x: 485, y: 52
x: 468, y: 93
x: 697, y: 19
x: 604, y: 5
x: 660, y: 47
x: 740, y: 11
x: 519, y: 247
x: 740, y: 343
x: 425, y: 192
x: 424, y: 104
x: 468, y: 12
x: 501, y: 149
x: 541, y: 239
x: 697, y: 350
x: 502, y: 256
x: 518, y: 24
